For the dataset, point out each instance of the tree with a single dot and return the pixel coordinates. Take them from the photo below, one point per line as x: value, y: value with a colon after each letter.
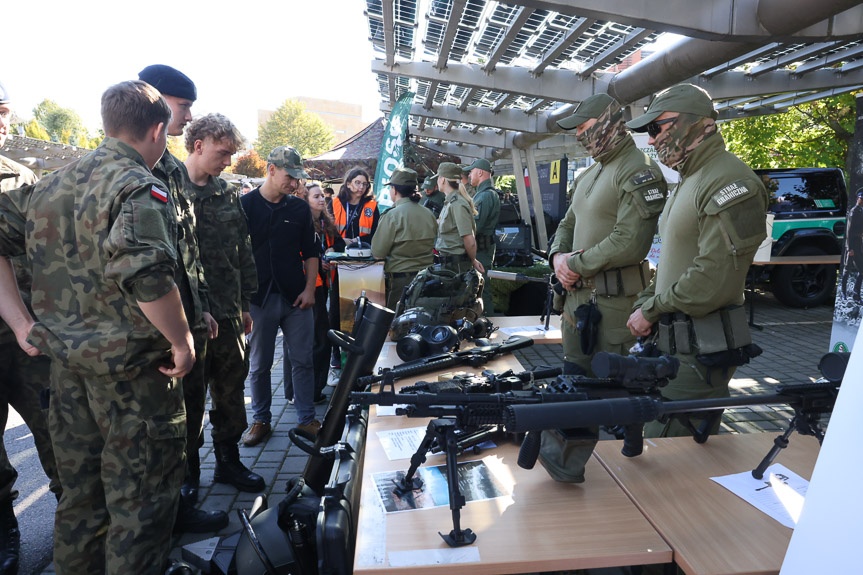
x: 177, y: 146
x: 815, y: 134
x: 292, y: 125
x: 34, y: 130
x: 62, y: 125
x: 251, y: 165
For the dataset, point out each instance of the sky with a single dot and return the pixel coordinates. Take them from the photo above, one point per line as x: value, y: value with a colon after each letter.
x: 243, y: 56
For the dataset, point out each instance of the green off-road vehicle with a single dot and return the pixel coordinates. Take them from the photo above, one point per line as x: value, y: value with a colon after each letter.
x: 809, y: 206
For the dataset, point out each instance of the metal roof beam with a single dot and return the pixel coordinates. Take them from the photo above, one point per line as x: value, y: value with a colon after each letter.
x: 740, y: 60
x: 389, y: 34
x: 429, y: 101
x: 830, y: 60
x: 791, y: 57
x: 536, y: 106
x: 557, y: 85
x: 728, y: 20
x: 461, y: 150
x: 506, y: 119
x: 467, y: 98
x: 738, y: 85
x: 449, y: 34
x: 503, y: 101
x: 770, y: 101
x: 513, y: 30
x: 817, y: 96
x: 614, y: 51
x: 486, y: 139
x: 568, y: 37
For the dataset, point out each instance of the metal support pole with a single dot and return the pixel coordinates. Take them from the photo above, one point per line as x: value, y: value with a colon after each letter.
x: 518, y: 171
x: 535, y: 193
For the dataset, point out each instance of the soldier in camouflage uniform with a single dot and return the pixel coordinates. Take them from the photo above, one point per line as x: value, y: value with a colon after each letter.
x: 456, y: 241
x: 486, y: 200
x: 598, y: 255
x: 180, y: 93
x: 22, y: 378
x: 226, y: 252
x: 711, y: 228
x: 434, y: 198
x: 405, y: 236
x: 100, y: 243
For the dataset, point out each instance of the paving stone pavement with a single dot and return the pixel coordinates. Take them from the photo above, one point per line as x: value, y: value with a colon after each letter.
x: 793, y: 341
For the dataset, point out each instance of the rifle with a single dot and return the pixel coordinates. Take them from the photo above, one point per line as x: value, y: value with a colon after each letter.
x: 571, y: 400
x: 473, y: 357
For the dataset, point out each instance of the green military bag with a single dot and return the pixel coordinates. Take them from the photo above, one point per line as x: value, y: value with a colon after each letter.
x: 444, y: 295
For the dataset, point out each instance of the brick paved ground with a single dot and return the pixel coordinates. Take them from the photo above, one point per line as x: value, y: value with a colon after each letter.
x: 793, y: 342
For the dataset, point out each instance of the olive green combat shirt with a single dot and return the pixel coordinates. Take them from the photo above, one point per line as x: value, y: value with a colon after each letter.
x: 405, y: 237
x: 711, y: 228
x: 99, y: 237
x: 190, y: 275
x: 12, y: 176
x: 456, y: 220
x: 226, y: 248
x: 613, y: 213
x: 487, y: 204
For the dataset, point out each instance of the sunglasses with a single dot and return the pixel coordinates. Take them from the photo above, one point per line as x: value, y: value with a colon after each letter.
x: 654, y: 128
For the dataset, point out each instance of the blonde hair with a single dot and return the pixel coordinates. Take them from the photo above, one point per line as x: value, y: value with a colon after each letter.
x: 458, y: 186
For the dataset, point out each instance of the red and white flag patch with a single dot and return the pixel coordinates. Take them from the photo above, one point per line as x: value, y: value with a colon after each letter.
x: 159, y: 194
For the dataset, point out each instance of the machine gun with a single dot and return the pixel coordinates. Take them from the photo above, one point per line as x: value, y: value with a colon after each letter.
x: 571, y: 400
x: 473, y: 357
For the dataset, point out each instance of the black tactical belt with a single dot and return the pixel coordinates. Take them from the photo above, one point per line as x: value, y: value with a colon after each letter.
x: 397, y: 275
x: 453, y: 258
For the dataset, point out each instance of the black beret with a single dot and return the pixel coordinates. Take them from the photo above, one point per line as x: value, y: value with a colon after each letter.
x: 169, y: 81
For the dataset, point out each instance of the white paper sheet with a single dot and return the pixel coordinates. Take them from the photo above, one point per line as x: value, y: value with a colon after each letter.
x: 780, y: 494
x: 401, y: 443
x: 528, y: 330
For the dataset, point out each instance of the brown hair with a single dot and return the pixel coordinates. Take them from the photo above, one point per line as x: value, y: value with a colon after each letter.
x: 131, y: 108
x: 344, y: 192
x: 215, y: 126
x: 329, y: 225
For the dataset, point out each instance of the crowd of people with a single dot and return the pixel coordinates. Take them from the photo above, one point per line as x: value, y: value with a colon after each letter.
x: 136, y: 284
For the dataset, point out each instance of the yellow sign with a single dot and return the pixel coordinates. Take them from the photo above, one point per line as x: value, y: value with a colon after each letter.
x: 554, y: 178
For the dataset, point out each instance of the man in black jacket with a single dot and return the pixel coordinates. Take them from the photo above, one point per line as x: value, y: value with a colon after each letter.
x: 286, y: 255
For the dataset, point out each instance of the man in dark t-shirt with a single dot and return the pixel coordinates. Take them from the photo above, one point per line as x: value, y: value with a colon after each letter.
x: 283, y: 241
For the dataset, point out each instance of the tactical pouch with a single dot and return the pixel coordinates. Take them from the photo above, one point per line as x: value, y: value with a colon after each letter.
x: 709, y: 333
x: 627, y: 281
x: 665, y: 336
x: 587, y: 318
x: 606, y: 283
x: 736, y: 326
x: 682, y: 332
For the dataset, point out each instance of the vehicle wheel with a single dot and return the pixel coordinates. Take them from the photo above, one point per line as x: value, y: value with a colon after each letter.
x: 803, y: 285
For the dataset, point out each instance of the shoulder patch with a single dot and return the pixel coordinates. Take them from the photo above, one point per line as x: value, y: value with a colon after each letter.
x: 653, y: 194
x: 730, y: 192
x: 368, y: 212
x: 159, y: 194
x: 643, y: 177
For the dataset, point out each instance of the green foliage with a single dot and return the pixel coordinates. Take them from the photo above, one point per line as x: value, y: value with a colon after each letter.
x: 34, y: 130
x: 251, y: 165
x: 505, y: 184
x: 177, y: 146
x: 292, y: 125
x: 816, y: 134
x: 62, y: 125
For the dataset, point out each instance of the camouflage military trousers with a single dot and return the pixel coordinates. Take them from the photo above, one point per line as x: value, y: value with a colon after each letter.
x: 119, y: 447
x: 486, y: 258
x: 693, y: 381
x: 226, y: 370
x: 565, y: 457
x: 195, y: 391
x: 22, y: 378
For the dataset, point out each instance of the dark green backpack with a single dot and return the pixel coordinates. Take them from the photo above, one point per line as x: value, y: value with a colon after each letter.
x: 443, y: 295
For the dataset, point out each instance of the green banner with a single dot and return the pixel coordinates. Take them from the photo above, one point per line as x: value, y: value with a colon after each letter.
x: 392, y: 149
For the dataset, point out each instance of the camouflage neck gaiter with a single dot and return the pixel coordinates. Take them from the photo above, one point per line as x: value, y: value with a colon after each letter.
x: 675, y: 144
x: 608, y: 131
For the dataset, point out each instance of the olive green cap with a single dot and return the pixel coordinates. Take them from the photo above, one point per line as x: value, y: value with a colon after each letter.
x: 481, y: 163
x: 592, y: 107
x: 449, y: 171
x: 288, y: 159
x: 403, y: 177
x: 429, y: 183
x: 683, y: 98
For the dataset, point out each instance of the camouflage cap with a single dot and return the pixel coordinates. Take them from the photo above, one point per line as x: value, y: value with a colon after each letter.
x: 288, y: 159
x: 403, y: 177
x: 590, y: 108
x: 4, y: 94
x: 449, y: 171
x: 683, y: 98
x: 480, y: 163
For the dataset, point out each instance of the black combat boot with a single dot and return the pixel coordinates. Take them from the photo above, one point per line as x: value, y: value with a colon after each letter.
x: 230, y: 470
x: 192, y: 520
x: 10, y: 539
x: 189, y: 490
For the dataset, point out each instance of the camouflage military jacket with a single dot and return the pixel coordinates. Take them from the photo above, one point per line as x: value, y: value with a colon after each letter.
x: 405, y: 237
x: 711, y: 228
x: 13, y: 175
x: 98, y: 236
x: 226, y: 249
x: 190, y: 272
x: 613, y: 213
x: 487, y: 203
